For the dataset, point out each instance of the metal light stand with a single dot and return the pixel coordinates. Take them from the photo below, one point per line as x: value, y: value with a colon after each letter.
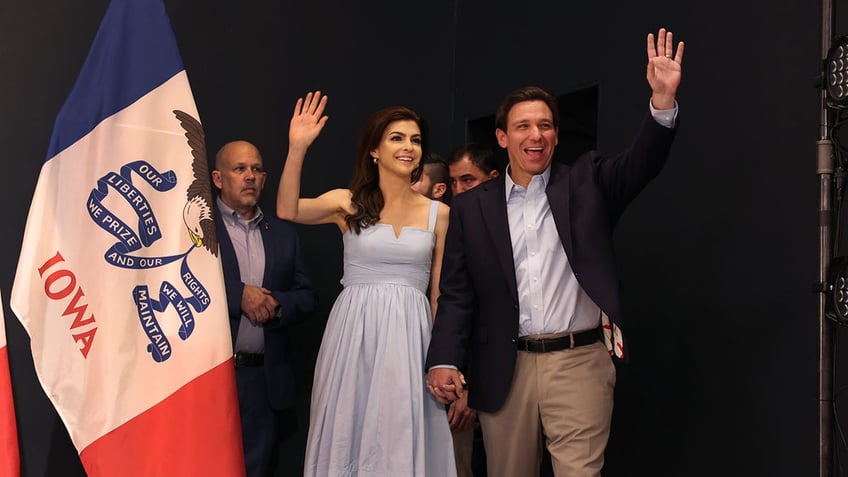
x: 825, y: 336
x: 824, y: 169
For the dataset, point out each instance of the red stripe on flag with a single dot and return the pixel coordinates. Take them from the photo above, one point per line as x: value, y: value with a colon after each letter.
x: 195, y: 431
x: 10, y: 457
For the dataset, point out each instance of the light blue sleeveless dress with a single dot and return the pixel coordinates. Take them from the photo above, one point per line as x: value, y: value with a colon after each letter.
x: 371, y: 413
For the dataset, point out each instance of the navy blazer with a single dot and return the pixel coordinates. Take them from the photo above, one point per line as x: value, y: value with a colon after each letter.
x: 477, y: 319
x: 286, y: 277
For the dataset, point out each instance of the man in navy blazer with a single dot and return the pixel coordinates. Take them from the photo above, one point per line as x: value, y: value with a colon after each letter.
x: 528, y: 278
x: 268, y: 290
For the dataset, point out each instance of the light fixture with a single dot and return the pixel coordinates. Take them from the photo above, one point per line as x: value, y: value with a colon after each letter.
x: 836, y: 307
x: 836, y: 73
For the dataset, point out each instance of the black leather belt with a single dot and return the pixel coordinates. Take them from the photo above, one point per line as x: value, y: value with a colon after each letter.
x: 571, y: 340
x: 248, y: 359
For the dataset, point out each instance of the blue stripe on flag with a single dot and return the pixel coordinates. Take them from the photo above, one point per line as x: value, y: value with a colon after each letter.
x: 134, y: 52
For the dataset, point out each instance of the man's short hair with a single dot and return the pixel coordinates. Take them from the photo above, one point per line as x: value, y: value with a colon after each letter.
x: 436, y: 169
x: 527, y: 93
x: 480, y: 155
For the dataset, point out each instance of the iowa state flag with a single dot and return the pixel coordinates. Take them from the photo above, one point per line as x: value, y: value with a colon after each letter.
x: 10, y: 457
x: 119, y: 284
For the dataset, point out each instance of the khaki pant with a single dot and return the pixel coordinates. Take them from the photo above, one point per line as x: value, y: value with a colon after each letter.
x: 564, y: 396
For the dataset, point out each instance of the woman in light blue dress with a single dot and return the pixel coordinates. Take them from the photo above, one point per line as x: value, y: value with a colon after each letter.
x: 370, y: 412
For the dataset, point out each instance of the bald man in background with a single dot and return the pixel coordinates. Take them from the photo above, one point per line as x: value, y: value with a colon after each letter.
x: 268, y: 290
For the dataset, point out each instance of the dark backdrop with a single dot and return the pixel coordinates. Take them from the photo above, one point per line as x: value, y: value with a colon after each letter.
x: 716, y: 257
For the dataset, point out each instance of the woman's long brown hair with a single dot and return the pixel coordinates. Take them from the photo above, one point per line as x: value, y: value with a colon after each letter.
x: 367, y: 198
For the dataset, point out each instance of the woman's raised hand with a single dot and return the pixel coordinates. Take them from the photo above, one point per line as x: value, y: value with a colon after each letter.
x: 308, y: 120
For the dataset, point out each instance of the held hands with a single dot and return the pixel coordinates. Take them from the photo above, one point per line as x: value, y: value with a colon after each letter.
x: 664, y: 68
x: 307, y: 120
x: 258, y: 304
x: 445, y: 384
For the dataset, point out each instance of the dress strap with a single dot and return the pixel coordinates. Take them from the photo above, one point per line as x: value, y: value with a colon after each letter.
x: 434, y: 212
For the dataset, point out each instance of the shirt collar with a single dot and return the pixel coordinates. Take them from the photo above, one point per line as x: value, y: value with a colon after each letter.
x: 230, y: 214
x: 545, y: 177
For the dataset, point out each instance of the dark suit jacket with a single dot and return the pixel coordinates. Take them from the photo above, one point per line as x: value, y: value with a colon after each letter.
x: 477, y: 318
x: 286, y: 277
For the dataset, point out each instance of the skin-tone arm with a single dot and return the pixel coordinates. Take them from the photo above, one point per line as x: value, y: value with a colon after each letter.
x: 438, y: 252
x: 306, y: 124
x: 663, y: 68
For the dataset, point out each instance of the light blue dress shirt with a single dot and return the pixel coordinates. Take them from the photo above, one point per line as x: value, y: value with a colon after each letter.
x: 250, y: 253
x: 550, y: 298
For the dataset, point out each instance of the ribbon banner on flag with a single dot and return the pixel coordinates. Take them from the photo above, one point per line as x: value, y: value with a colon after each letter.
x: 119, y: 284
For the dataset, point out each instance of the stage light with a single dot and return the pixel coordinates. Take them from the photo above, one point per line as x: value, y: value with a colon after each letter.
x: 836, y: 73
x: 836, y: 307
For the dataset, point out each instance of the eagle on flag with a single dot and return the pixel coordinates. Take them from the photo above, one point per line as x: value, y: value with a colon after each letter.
x: 198, y: 213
